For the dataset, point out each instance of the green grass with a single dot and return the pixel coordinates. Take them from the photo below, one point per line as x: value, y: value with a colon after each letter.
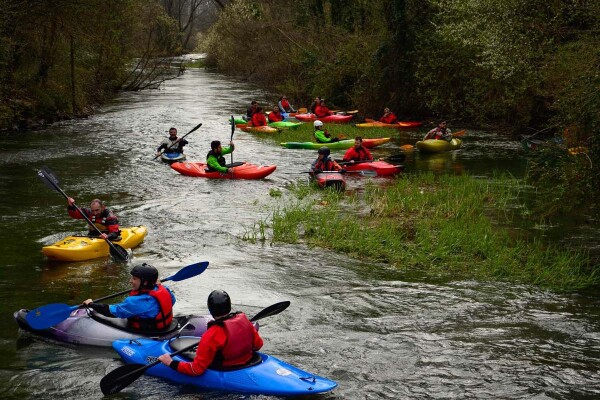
x: 450, y: 227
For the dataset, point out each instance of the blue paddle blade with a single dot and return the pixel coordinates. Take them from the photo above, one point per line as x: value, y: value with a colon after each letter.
x: 49, y: 315
x: 188, y: 272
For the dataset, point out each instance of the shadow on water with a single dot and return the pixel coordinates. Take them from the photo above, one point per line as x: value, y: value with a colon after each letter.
x: 380, y: 333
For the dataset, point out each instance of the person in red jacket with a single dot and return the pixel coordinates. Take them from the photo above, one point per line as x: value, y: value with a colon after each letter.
x: 275, y: 115
x: 357, y: 152
x: 321, y: 110
x: 388, y: 117
x: 258, y: 119
x: 230, y: 340
x: 102, y: 217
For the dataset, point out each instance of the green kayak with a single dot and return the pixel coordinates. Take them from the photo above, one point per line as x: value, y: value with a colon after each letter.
x: 342, y: 144
x: 285, y: 124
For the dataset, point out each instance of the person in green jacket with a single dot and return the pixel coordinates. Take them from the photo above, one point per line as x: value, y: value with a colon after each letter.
x: 215, y: 159
x: 321, y: 135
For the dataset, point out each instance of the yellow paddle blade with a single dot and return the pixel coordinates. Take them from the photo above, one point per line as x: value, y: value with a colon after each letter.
x: 459, y: 133
x: 407, y: 147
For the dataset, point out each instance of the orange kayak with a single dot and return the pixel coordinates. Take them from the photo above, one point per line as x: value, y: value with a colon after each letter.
x: 371, y: 123
x: 244, y: 171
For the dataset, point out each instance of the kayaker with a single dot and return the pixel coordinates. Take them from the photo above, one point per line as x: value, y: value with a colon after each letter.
x: 275, y: 115
x: 322, y: 135
x: 215, y: 159
x: 285, y: 106
x: 102, y: 217
x: 324, y: 162
x: 172, y: 143
x: 314, y: 105
x: 321, y: 110
x: 258, y: 118
x: 149, y: 306
x: 388, y: 117
x: 251, y: 110
x: 230, y: 340
x: 441, y: 132
x: 357, y: 152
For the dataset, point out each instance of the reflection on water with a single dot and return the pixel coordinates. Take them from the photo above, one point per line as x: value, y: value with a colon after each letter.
x: 379, y: 333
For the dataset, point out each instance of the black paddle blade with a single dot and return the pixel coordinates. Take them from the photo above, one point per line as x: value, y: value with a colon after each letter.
x: 118, y: 253
x: 271, y: 310
x: 48, y: 177
x: 235, y: 164
x: 119, y: 378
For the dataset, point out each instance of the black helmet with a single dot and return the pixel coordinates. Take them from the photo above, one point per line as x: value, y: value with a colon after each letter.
x: 325, y: 151
x: 219, y: 303
x: 147, y: 273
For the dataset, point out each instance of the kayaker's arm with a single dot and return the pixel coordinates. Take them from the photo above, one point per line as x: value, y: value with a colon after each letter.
x: 99, y: 308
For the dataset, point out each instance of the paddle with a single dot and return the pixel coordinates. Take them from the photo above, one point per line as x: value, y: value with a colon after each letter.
x: 123, y: 376
x: 51, y: 180
x: 49, y: 315
x: 180, y: 139
x: 232, y: 132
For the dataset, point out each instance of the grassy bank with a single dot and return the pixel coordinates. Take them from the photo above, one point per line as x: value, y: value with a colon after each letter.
x: 449, y: 227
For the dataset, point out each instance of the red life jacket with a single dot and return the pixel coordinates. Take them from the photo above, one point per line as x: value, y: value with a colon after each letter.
x: 322, y: 111
x: 285, y: 104
x: 389, y: 119
x: 275, y: 117
x: 258, y: 119
x: 239, y: 350
x: 325, y: 165
x: 360, y: 155
x: 164, y: 317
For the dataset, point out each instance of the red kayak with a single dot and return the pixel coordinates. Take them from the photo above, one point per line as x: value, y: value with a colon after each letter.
x: 381, y: 167
x: 244, y: 171
x: 335, y: 118
x: 332, y: 180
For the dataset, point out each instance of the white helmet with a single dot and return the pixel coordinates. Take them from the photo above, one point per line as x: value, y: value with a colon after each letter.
x: 317, y: 124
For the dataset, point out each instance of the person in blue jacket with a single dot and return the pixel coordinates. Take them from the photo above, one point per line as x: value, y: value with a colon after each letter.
x: 149, y: 306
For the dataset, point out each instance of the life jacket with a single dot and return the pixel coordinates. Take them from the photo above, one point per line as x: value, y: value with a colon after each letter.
x: 285, y: 104
x: 102, y: 222
x: 322, y: 111
x: 438, y: 134
x: 258, y: 119
x: 325, y: 165
x: 239, y: 350
x: 275, y: 117
x: 219, y: 158
x: 165, y: 315
x: 358, y: 155
x: 389, y: 119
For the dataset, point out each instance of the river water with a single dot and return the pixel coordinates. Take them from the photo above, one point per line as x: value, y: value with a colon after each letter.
x: 379, y: 333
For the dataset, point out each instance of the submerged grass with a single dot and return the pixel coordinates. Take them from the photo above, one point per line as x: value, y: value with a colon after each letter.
x: 453, y: 227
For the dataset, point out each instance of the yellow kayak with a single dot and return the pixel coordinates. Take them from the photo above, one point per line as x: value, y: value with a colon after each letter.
x: 81, y: 248
x: 436, y: 146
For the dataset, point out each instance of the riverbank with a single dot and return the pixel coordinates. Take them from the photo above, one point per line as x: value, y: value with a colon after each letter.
x: 446, y: 227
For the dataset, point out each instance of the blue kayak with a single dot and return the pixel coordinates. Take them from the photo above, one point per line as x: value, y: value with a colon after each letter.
x: 172, y: 156
x: 265, y: 375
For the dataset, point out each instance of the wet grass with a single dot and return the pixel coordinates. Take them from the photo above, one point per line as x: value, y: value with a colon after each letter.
x: 450, y: 227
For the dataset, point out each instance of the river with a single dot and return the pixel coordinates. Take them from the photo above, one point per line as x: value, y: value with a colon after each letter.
x: 379, y: 333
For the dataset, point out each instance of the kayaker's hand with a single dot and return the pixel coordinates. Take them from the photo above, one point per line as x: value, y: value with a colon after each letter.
x: 88, y: 301
x: 165, y: 359
x: 230, y: 170
x: 71, y: 201
x: 103, y: 236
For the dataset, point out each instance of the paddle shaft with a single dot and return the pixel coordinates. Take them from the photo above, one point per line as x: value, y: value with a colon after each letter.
x: 121, y: 254
x: 178, y: 140
x: 231, y: 138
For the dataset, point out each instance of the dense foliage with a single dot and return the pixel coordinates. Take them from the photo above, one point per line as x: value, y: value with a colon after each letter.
x: 60, y: 58
x: 529, y: 65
